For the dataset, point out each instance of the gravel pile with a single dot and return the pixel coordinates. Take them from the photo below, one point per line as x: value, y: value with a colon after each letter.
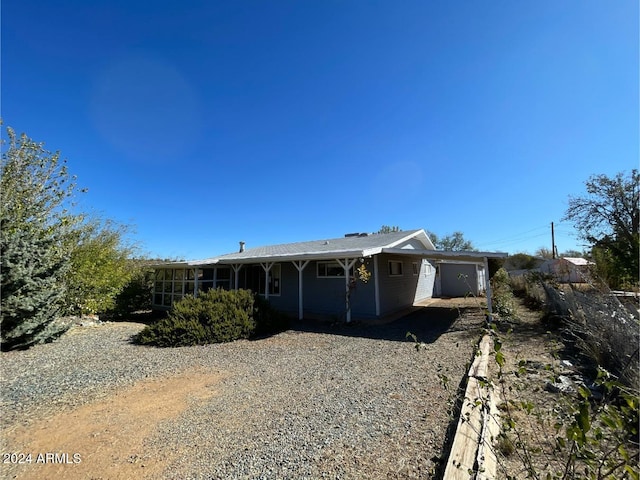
x: 312, y: 402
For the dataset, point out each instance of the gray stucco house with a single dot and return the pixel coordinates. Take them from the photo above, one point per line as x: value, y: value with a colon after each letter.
x: 321, y: 278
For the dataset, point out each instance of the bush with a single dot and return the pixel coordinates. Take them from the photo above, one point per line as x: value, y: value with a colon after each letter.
x: 268, y: 319
x: 136, y: 295
x: 502, y: 297
x: 214, y: 316
x: 602, y: 329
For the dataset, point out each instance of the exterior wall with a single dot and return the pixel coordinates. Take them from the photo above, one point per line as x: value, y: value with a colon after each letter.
x: 564, y: 271
x: 451, y: 285
x: 321, y: 296
x: 412, y: 244
x: 287, y: 300
x: 326, y: 296
x: 401, y: 291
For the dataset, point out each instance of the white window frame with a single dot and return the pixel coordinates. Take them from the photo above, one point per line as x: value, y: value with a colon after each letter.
x: 166, y: 288
x: 333, y: 263
x: 400, y: 270
x: 273, y: 279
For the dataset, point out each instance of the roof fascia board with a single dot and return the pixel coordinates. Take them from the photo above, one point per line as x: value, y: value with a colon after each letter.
x: 336, y: 254
x: 170, y: 264
x: 420, y: 234
x: 446, y: 254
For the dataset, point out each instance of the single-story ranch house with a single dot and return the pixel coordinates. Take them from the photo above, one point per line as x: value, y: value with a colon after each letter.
x: 322, y: 278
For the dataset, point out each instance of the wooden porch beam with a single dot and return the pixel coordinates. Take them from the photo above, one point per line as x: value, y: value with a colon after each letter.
x: 300, y: 266
x: 236, y: 268
x: 347, y: 264
x: 266, y: 266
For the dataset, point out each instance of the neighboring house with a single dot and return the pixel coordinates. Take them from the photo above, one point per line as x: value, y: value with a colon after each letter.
x: 320, y: 278
x: 567, y: 269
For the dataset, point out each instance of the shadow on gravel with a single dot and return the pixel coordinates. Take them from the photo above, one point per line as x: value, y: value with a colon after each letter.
x: 427, y: 324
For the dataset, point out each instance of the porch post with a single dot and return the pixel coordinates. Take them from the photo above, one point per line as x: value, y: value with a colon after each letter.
x: 300, y: 266
x: 376, y: 284
x: 488, y: 288
x: 195, y: 282
x: 266, y: 266
x: 236, y: 269
x: 347, y: 264
x: 215, y: 278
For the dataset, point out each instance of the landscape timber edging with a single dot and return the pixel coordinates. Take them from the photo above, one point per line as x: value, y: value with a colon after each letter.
x: 472, y: 454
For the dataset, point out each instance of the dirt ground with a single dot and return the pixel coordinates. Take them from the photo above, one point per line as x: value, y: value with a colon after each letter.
x: 114, y: 428
x: 116, y: 424
x: 530, y: 341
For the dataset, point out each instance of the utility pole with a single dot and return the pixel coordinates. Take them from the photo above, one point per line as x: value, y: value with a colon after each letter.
x: 553, y: 243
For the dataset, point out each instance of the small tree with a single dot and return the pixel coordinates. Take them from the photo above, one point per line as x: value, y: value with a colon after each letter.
x: 99, y: 268
x: 608, y: 217
x: 544, y: 252
x: 453, y: 242
x: 388, y: 229
x: 35, y: 221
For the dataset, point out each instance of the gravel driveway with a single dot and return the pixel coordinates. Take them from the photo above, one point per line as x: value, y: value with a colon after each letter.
x: 313, y: 402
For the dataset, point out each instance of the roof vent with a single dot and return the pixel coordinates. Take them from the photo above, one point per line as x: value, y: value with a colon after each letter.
x: 241, y: 247
x: 357, y: 234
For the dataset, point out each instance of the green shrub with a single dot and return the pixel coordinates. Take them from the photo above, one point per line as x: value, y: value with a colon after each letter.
x: 268, y: 319
x: 214, y: 316
x: 137, y: 293
x: 502, y: 297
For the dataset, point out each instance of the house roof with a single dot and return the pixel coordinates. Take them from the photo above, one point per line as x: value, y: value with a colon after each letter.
x: 407, y: 242
x: 356, y: 245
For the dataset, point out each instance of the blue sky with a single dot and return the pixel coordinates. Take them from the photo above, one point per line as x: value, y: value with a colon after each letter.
x: 202, y: 123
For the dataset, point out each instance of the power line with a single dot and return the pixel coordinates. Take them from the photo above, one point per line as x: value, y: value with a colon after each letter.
x: 518, y: 236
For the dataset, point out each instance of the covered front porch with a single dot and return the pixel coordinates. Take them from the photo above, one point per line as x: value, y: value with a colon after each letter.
x: 371, y: 287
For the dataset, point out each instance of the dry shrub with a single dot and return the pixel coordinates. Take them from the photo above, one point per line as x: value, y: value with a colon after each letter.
x: 602, y: 328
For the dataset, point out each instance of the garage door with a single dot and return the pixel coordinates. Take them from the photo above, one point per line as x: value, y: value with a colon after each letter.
x: 457, y: 280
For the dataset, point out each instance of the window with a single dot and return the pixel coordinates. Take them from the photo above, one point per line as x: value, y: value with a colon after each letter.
x: 217, y: 277
x: 223, y: 278
x: 395, y: 268
x: 274, y: 280
x: 416, y: 268
x: 171, y: 285
x: 332, y: 270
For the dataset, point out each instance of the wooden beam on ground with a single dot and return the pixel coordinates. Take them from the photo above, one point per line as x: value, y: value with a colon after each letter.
x: 462, y: 459
x: 472, y: 454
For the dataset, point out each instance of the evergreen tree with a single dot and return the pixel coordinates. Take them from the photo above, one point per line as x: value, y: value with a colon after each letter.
x: 32, y: 288
x: 35, y: 222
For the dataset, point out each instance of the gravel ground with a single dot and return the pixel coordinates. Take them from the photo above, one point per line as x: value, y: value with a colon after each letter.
x: 315, y: 401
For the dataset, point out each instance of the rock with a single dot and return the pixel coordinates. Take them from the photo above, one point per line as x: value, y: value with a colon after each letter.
x: 563, y: 384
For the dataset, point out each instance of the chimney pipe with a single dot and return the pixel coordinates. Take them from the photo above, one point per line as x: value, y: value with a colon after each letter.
x: 241, y: 247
